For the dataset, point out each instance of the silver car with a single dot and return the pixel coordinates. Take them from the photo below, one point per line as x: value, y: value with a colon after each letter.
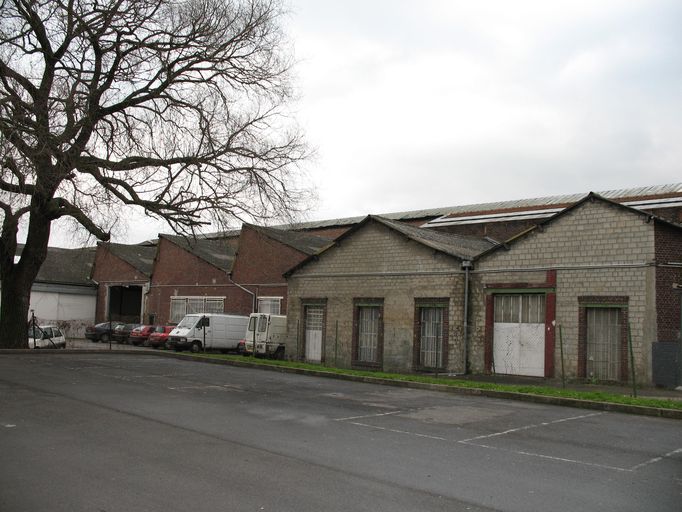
x: 46, y: 336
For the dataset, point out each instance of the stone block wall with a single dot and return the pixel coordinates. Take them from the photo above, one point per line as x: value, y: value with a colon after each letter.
x: 377, y: 262
x: 596, y: 250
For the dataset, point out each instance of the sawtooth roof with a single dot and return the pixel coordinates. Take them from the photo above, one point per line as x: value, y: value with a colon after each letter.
x: 66, y: 266
x: 672, y: 190
x: 141, y: 257
x: 591, y: 196
x: 458, y: 246
x: 219, y: 252
x: 301, y: 241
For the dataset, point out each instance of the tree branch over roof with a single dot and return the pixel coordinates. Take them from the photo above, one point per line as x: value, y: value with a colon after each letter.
x: 176, y: 107
x: 173, y: 106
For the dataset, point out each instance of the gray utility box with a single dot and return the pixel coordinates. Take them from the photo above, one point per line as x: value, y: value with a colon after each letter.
x: 665, y: 364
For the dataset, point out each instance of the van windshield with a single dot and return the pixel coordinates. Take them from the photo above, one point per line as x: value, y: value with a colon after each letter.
x: 188, y: 322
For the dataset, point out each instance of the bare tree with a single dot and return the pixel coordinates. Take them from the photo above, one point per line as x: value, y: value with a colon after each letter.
x: 174, y: 106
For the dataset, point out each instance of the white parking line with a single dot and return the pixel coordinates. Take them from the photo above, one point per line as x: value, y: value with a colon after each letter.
x: 472, y: 441
x: 527, y: 427
x: 416, y: 434
x: 367, y: 416
x: 226, y: 387
x: 548, y: 457
x: 656, y: 459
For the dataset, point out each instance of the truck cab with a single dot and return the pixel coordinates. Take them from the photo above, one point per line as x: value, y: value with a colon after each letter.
x: 269, y: 332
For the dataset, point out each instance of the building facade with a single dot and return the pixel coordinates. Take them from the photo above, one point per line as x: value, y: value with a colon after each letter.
x: 568, y: 296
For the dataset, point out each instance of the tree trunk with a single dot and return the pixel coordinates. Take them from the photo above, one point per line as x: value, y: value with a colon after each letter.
x: 16, y: 279
x: 14, y: 312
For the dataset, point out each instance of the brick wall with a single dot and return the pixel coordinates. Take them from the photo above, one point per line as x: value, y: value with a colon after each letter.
x: 258, y: 266
x: 261, y: 263
x: 669, y: 272
x: 499, y: 231
x: 177, y: 272
x: 597, y: 250
x: 376, y: 262
x: 110, y: 270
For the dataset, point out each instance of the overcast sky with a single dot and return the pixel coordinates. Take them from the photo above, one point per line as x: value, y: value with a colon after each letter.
x: 422, y: 104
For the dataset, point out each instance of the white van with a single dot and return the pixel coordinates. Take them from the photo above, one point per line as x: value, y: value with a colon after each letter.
x: 270, y: 332
x: 208, y: 331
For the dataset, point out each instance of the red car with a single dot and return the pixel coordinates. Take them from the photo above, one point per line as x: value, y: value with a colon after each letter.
x: 158, y: 338
x: 140, y: 334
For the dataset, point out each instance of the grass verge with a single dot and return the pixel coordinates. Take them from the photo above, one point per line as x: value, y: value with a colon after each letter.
x: 596, y: 396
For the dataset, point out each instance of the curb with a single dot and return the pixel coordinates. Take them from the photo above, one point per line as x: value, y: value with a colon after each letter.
x: 675, y: 414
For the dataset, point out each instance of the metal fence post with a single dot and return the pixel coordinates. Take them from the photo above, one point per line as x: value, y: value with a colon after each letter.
x: 632, y: 363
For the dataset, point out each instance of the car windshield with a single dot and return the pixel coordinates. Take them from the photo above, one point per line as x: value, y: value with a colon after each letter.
x: 38, y: 332
x: 188, y: 322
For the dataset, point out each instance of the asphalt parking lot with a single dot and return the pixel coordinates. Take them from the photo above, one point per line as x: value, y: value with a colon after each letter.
x: 128, y: 432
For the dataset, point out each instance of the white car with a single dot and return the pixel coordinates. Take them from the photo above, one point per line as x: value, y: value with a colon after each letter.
x: 46, y: 336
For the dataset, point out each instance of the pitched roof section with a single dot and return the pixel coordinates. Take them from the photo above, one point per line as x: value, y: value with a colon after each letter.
x: 141, y: 257
x: 301, y: 241
x: 219, y: 252
x: 66, y: 266
x: 592, y: 196
x: 457, y: 246
x: 661, y: 196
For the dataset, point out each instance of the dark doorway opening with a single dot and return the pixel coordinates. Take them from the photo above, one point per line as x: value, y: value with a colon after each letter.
x: 125, y: 303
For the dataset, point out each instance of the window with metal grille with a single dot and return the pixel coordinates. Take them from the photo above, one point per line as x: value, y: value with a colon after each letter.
x: 270, y: 305
x: 181, y: 306
x: 604, y: 333
x: 368, y: 334
x: 314, y: 318
x: 431, y: 337
x: 528, y: 308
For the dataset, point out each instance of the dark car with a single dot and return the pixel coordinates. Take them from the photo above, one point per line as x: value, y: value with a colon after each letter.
x: 101, y: 332
x: 140, y: 334
x: 159, y: 337
x: 122, y: 332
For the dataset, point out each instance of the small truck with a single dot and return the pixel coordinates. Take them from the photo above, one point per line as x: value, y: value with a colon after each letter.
x: 269, y: 332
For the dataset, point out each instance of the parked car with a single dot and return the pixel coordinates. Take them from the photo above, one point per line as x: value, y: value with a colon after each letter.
x: 140, y: 334
x: 122, y: 332
x: 159, y: 337
x: 101, y: 332
x: 45, y: 336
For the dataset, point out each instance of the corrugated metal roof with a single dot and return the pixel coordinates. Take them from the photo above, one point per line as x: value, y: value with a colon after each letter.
x: 672, y: 189
x: 623, y: 194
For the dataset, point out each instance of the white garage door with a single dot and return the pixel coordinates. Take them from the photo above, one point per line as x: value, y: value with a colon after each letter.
x: 519, y: 334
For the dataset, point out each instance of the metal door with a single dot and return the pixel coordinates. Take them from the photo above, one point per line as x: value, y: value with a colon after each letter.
x: 314, y: 318
x: 519, y: 334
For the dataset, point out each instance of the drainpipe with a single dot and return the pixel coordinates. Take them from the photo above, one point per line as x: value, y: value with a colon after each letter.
x: 253, y: 294
x: 253, y: 310
x: 467, y: 265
